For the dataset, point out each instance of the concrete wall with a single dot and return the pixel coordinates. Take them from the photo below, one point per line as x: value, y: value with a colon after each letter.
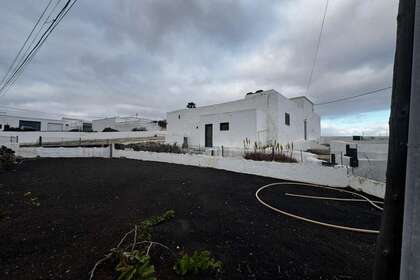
x: 28, y: 137
x: 267, y: 125
x: 373, y: 157
x: 301, y: 172
x: 307, y: 172
x: 62, y: 152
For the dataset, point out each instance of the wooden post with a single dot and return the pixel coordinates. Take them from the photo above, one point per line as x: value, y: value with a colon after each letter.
x: 410, y: 258
x: 388, y: 247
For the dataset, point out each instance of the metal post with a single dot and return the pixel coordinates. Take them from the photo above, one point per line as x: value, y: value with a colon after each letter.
x: 341, y: 158
x: 410, y: 258
x: 40, y: 141
x: 222, y: 151
x: 301, y: 156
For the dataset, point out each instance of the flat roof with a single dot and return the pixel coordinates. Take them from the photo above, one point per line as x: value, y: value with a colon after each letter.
x: 233, y: 101
x: 302, y: 96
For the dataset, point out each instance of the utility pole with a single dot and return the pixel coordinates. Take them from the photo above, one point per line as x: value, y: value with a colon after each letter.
x: 410, y: 250
x: 388, y: 248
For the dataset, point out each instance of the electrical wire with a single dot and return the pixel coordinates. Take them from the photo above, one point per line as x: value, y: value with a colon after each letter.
x: 45, y: 113
x: 63, y: 12
x: 355, y: 96
x: 317, y: 47
x: 34, y: 50
x: 24, y: 43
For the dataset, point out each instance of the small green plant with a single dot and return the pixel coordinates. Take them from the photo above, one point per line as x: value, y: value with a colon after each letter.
x: 145, y: 227
x: 199, y: 261
x: 135, y: 265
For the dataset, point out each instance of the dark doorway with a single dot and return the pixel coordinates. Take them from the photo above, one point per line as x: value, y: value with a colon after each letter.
x: 208, y: 135
x: 305, y: 130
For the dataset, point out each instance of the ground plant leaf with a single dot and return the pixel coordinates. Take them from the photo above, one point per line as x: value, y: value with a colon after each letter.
x: 135, y: 265
x: 199, y: 261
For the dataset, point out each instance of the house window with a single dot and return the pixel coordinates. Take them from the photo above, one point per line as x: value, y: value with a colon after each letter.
x: 286, y: 119
x: 224, y: 126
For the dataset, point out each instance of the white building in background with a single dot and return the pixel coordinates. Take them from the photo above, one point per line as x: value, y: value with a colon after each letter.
x: 126, y: 124
x: 70, y: 124
x: 25, y: 123
x: 262, y: 117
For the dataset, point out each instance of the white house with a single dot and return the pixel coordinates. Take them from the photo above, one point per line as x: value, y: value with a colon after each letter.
x: 262, y: 117
x: 31, y: 123
x: 125, y: 124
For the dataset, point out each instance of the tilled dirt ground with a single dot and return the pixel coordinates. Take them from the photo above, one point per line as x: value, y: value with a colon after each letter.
x: 86, y: 206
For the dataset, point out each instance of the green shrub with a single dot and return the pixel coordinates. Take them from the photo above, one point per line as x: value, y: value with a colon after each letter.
x: 145, y: 227
x: 199, y: 261
x: 7, y: 158
x: 262, y: 156
x: 135, y: 265
x: 152, y: 147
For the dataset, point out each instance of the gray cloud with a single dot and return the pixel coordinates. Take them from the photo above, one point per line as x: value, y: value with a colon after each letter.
x: 148, y: 57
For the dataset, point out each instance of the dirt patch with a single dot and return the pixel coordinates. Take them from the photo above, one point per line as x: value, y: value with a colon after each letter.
x: 86, y: 205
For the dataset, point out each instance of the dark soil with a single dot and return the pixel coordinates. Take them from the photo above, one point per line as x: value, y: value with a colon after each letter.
x: 86, y: 206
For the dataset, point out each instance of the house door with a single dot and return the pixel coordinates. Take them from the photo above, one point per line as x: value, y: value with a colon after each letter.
x: 305, y: 130
x: 208, y: 135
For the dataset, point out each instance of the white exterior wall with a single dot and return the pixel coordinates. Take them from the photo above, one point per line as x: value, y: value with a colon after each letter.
x: 258, y: 117
x: 242, y: 124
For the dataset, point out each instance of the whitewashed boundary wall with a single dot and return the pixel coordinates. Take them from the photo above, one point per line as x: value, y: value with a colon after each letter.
x: 300, y: 172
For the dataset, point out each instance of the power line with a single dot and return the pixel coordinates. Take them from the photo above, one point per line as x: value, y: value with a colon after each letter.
x: 11, y: 80
x: 355, y: 96
x: 13, y: 108
x: 24, y: 43
x: 33, y: 51
x: 317, y: 47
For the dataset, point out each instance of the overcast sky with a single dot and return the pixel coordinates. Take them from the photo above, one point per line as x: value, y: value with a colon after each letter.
x: 124, y: 57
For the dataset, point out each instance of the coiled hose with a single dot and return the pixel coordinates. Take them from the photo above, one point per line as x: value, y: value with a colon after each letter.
x: 364, y: 198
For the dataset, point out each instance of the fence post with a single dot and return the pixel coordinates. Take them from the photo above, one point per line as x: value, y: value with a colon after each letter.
x: 110, y: 150
x: 223, y: 152
x: 40, y: 141
x: 341, y: 158
x: 301, y: 156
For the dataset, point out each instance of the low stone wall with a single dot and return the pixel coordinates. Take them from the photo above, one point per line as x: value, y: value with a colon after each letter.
x: 301, y: 172
x: 29, y: 137
x: 62, y: 152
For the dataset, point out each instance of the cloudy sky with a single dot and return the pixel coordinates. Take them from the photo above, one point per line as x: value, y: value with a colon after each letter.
x: 124, y: 57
